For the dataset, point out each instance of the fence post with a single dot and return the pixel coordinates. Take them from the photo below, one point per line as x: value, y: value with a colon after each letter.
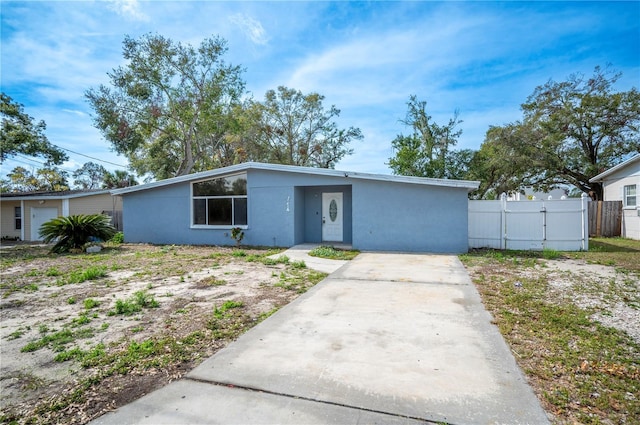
x: 503, y: 221
x: 584, y: 203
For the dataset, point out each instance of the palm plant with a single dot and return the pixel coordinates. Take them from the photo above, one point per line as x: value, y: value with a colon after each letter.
x: 74, y: 231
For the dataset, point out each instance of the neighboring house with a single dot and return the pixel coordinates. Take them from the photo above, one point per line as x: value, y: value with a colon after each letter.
x: 22, y: 214
x: 621, y: 183
x: 281, y: 205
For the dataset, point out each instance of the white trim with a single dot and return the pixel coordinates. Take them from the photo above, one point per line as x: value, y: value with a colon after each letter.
x: 218, y: 227
x: 600, y: 177
x: 52, y: 197
x: 22, y: 221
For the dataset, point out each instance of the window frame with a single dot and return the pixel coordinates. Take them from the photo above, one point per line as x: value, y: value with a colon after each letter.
x: 206, y: 198
x: 626, y: 196
x: 17, y: 218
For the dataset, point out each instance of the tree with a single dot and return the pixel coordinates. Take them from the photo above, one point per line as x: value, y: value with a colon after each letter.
x: 571, y: 131
x: 427, y: 151
x: 52, y: 179
x: 73, y: 232
x: 89, y: 176
x: 168, y: 110
x: 22, y: 180
x: 45, y: 179
x: 293, y: 128
x: 21, y: 135
x: 118, y: 179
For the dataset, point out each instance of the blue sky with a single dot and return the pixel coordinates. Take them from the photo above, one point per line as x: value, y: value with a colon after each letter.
x: 480, y: 58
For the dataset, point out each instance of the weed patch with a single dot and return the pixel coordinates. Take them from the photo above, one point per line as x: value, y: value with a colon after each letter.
x: 298, y: 280
x: 283, y: 259
x: 333, y: 253
x: 79, y: 276
x: 90, y: 303
x: 57, y: 341
x: 134, y: 304
x: 211, y: 281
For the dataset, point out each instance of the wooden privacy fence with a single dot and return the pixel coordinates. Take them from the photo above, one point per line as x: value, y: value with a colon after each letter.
x: 530, y: 225
x: 605, y: 218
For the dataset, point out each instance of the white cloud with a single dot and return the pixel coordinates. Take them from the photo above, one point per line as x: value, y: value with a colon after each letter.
x: 251, y: 27
x: 75, y: 112
x: 129, y: 9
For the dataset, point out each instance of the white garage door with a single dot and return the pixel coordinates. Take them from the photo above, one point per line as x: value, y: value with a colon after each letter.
x: 39, y: 216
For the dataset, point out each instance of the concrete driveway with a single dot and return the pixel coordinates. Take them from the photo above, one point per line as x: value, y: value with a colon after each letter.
x: 387, y: 338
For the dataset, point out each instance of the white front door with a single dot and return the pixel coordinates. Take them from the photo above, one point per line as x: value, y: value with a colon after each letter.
x: 332, y: 217
x: 39, y: 216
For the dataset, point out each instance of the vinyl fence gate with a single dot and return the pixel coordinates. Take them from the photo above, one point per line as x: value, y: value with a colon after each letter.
x: 536, y: 225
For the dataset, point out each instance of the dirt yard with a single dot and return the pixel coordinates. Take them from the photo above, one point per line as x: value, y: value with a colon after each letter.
x: 572, y: 322
x: 83, y: 334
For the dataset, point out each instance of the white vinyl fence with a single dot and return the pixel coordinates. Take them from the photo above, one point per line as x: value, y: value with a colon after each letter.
x: 560, y: 224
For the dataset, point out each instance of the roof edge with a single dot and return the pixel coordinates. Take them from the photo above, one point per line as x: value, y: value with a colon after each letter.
x: 52, y: 196
x: 615, y: 168
x: 467, y: 184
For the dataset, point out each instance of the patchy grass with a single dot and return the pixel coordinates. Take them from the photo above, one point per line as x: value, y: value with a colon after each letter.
x: 211, y: 281
x: 333, y: 253
x: 282, y: 259
x: 618, y: 252
x: 299, y: 280
x: 79, y: 276
x: 582, y: 370
x: 100, y: 339
x: 134, y: 304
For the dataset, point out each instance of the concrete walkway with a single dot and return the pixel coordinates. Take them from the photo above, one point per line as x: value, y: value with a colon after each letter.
x: 387, y: 338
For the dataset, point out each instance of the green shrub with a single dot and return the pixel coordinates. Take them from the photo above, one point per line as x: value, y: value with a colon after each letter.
x: 118, y: 238
x: 74, y: 231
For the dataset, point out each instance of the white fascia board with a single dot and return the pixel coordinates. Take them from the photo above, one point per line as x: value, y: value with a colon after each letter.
x: 52, y: 197
x: 601, y: 176
x: 466, y: 184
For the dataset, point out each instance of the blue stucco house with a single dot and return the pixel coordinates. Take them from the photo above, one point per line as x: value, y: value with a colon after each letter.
x: 282, y: 205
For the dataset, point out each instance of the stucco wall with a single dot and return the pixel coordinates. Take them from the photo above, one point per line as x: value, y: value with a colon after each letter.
x: 613, y: 186
x: 7, y: 219
x: 409, y: 217
x: 94, y: 204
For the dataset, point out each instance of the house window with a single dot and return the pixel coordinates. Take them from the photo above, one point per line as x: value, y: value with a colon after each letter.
x: 18, y: 217
x: 629, y: 197
x: 221, y: 201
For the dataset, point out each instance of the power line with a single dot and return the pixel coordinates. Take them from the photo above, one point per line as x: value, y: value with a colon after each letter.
x: 91, y: 157
x: 29, y: 159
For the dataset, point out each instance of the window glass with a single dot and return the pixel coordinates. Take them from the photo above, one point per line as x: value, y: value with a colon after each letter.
x: 231, y: 185
x: 219, y: 211
x: 18, y: 217
x: 630, y: 196
x: 240, y: 211
x: 199, y: 211
x: 221, y: 201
